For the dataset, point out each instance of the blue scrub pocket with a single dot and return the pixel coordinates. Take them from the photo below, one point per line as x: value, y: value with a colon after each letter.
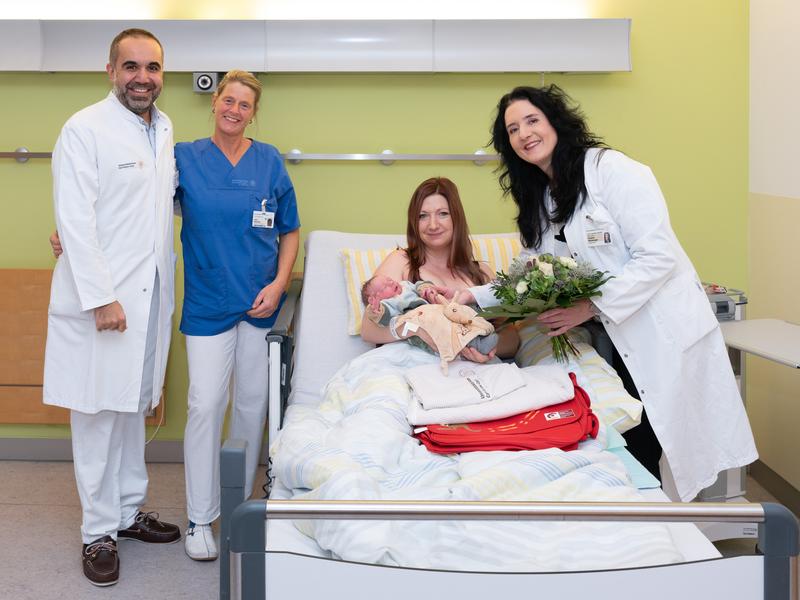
x: 206, y: 292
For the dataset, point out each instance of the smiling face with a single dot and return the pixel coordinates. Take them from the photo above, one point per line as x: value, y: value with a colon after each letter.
x: 137, y: 74
x: 234, y: 108
x: 435, y: 222
x: 531, y: 135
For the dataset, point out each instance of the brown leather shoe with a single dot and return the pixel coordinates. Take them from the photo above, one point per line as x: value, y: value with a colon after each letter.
x: 100, y: 561
x: 147, y: 528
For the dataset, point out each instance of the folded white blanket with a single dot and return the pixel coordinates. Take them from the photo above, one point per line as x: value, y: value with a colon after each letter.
x: 545, y: 385
x: 465, y: 384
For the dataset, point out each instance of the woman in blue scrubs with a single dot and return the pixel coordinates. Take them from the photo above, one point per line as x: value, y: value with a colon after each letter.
x: 240, y: 238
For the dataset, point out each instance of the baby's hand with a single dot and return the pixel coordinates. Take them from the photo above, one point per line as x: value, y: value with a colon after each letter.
x: 437, y: 294
x: 374, y: 304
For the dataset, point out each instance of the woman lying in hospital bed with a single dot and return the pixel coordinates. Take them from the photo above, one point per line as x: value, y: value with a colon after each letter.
x: 357, y: 444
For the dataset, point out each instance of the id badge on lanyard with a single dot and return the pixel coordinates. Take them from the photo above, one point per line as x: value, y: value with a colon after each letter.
x: 598, y: 237
x: 263, y: 219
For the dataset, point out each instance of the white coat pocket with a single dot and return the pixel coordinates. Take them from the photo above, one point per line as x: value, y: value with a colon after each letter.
x: 683, y: 311
x: 64, y: 300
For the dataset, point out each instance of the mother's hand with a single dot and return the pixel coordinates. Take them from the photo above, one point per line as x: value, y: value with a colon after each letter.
x: 471, y: 354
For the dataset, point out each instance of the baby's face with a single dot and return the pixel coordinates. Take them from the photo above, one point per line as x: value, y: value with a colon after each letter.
x: 384, y: 287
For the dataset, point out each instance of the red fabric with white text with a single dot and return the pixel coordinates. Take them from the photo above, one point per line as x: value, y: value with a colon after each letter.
x: 561, y: 425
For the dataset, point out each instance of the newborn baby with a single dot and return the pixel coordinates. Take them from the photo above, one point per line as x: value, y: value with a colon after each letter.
x: 452, y: 326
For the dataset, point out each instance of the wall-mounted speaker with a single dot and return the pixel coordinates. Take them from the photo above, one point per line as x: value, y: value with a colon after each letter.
x: 205, y: 82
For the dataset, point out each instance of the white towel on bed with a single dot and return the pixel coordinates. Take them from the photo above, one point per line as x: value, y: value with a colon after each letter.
x: 545, y: 385
x: 465, y: 384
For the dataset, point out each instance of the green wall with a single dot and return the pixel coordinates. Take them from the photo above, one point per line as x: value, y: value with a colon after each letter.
x: 682, y: 110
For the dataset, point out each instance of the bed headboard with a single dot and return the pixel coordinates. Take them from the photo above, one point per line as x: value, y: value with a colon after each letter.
x: 322, y: 344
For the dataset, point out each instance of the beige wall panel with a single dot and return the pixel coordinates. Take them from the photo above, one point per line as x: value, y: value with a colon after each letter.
x: 773, y: 391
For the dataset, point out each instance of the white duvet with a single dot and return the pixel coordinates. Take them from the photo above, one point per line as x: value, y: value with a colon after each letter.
x: 357, y: 445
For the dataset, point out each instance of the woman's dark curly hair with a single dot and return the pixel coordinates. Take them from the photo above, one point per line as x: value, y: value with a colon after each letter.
x: 526, y: 182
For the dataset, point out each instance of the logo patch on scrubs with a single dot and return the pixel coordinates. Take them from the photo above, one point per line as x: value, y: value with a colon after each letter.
x: 561, y: 414
x: 244, y: 182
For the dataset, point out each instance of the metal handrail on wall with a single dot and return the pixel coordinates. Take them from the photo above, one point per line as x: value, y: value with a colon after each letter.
x: 295, y: 157
x: 23, y: 155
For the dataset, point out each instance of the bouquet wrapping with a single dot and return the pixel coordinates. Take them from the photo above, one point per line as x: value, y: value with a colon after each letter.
x: 535, y: 284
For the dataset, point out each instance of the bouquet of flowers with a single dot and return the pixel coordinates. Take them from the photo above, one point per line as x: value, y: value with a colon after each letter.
x: 538, y: 283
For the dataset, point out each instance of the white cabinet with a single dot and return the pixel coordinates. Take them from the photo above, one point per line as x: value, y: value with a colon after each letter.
x: 20, y: 45
x: 532, y: 45
x: 349, y: 46
x: 417, y: 46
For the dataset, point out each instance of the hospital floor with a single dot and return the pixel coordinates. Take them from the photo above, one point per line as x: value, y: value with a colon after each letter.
x: 40, y: 542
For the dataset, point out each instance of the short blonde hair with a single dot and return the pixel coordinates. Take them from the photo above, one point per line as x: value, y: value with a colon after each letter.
x: 246, y: 78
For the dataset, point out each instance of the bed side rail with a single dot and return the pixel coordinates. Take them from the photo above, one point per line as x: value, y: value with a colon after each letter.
x: 242, y: 566
x: 281, y: 346
x: 231, y: 478
x: 778, y: 529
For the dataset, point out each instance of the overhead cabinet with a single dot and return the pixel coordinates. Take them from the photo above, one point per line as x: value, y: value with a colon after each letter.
x: 417, y: 46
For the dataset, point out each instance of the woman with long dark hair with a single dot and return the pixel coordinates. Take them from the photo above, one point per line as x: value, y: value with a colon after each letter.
x: 576, y: 197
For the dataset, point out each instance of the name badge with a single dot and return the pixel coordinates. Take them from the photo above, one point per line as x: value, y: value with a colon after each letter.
x: 263, y: 220
x: 598, y: 237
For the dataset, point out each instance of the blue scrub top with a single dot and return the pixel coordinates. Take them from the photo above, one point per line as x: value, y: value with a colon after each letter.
x: 226, y: 260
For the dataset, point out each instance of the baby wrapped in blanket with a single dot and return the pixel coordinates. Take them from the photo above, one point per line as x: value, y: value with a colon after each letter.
x: 452, y: 326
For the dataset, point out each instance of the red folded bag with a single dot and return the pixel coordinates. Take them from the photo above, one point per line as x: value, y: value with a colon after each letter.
x: 561, y: 425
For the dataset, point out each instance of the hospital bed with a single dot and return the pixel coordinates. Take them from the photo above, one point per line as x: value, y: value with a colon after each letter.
x: 264, y: 556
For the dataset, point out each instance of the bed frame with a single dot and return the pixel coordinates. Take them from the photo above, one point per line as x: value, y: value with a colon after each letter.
x: 249, y: 571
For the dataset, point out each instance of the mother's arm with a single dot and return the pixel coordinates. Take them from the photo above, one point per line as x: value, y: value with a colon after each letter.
x: 395, y: 266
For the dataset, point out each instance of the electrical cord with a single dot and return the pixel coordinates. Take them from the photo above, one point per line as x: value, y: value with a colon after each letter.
x: 160, y: 423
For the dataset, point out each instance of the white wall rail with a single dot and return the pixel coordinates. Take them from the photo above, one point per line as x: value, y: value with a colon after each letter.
x: 295, y: 157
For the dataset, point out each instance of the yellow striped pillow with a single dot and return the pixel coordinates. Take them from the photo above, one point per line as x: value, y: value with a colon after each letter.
x: 359, y: 265
x: 610, y: 401
x: 497, y: 251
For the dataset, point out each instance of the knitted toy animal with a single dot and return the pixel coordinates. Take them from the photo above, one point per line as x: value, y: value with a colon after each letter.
x: 451, y: 326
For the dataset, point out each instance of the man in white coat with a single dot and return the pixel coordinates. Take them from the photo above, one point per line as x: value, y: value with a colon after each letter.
x: 112, y: 296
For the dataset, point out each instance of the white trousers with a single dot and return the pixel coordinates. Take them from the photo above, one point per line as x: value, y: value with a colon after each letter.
x: 108, y: 453
x: 238, y: 357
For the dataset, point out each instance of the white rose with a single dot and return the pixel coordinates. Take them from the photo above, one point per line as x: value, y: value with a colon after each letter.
x: 568, y: 262
x: 522, y: 287
x: 546, y: 268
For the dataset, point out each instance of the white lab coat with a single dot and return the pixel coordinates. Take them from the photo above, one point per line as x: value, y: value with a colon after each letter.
x: 113, y: 208
x: 658, y: 317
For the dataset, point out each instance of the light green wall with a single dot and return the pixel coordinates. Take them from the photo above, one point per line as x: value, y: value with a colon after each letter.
x: 682, y: 110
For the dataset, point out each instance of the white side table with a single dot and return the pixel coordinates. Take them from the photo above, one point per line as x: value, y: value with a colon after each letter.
x: 773, y: 339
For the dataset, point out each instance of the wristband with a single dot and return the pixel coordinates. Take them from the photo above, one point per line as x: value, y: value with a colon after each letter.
x: 393, y: 328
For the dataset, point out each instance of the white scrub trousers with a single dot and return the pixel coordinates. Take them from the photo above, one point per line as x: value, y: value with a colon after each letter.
x: 108, y: 452
x: 238, y: 355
